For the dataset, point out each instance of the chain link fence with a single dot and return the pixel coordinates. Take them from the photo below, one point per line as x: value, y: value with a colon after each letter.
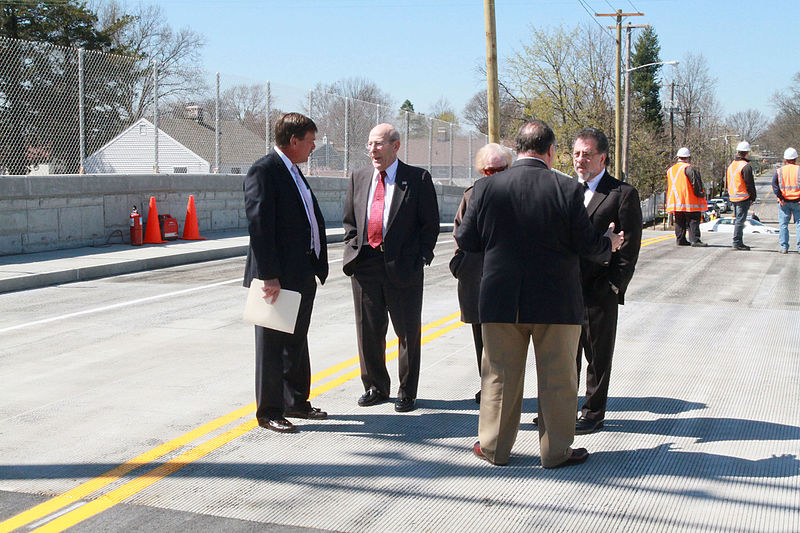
x: 70, y: 111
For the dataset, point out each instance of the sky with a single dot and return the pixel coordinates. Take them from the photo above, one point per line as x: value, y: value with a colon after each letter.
x: 423, y: 50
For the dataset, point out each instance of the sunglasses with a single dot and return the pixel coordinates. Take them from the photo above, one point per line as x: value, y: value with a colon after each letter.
x: 488, y: 171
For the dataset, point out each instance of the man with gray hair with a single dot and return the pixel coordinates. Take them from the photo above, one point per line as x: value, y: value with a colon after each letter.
x: 466, y: 266
x: 532, y: 227
x: 391, y: 222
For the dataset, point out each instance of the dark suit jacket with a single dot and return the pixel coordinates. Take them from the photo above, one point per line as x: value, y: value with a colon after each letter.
x: 411, y: 231
x: 617, y: 202
x: 532, y: 227
x: 280, y: 233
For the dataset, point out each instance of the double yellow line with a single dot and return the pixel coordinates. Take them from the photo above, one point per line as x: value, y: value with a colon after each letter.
x: 120, y: 494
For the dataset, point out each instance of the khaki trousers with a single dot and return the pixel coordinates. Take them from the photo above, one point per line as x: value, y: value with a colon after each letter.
x: 503, y: 380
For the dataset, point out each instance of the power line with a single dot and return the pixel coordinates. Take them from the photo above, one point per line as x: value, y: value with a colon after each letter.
x: 633, y: 6
x: 609, y: 5
x: 586, y: 8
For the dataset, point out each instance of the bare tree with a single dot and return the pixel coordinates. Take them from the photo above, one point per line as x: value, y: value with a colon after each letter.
x: 694, y: 96
x: 174, y: 53
x: 750, y: 124
x: 784, y: 130
x: 476, y: 112
x: 443, y: 110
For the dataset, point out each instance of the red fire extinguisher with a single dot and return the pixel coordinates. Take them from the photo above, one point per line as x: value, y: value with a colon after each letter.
x: 136, y: 227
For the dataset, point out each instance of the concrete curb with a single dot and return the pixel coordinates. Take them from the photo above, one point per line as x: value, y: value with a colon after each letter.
x: 115, y: 266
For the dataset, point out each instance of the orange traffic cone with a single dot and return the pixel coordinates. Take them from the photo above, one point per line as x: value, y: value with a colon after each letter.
x: 190, y: 230
x: 152, y: 233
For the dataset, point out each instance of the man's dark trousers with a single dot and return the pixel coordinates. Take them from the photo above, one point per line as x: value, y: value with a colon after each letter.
x: 687, y: 220
x: 374, y: 294
x: 284, y: 359
x: 598, y: 336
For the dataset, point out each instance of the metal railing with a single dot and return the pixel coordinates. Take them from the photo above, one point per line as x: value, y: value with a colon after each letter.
x: 72, y: 111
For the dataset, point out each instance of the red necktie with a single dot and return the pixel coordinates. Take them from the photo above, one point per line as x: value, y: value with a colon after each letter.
x: 375, y: 226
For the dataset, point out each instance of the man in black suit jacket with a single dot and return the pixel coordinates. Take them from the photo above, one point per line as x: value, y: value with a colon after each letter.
x: 607, y: 200
x: 391, y: 222
x: 287, y: 249
x: 532, y: 227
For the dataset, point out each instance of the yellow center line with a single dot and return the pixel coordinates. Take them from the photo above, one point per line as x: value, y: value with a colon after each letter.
x: 85, y: 489
x: 137, y: 485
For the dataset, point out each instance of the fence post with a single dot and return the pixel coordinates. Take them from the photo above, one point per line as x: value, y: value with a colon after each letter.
x: 469, y: 160
x: 81, y: 111
x: 346, y: 136
x: 155, y: 118
x: 377, y: 114
x: 268, y: 125
x: 216, y: 129
x: 450, y: 181
x: 311, y: 116
x: 405, y: 152
x: 430, y: 149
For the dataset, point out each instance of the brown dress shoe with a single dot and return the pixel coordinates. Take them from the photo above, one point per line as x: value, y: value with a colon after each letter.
x: 281, y: 425
x: 578, y: 456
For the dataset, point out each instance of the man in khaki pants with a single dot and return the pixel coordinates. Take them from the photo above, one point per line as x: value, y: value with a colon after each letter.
x: 532, y: 227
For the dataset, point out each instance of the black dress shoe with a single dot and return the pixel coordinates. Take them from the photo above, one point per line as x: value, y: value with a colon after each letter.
x: 372, y: 397
x: 281, y: 425
x: 578, y: 456
x: 585, y: 425
x: 312, y: 413
x: 684, y: 243
x: 535, y: 420
x: 404, y: 405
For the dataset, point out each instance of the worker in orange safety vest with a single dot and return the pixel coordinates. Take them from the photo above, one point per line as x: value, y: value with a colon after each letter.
x: 742, y: 191
x: 786, y: 186
x: 686, y: 198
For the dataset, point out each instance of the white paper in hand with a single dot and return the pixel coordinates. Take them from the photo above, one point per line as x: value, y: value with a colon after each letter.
x: 280, y: 316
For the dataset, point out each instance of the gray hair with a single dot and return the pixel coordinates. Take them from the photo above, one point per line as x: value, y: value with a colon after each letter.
x: 492, y: 149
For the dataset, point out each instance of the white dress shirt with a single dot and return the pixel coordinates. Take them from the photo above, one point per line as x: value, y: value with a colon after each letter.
x: 391, y: 174
x: 592, y: 183
x: 308, y: 201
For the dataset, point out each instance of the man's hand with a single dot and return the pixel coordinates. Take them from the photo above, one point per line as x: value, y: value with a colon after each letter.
x: 616, y: 238
x: 781, y: 201
x: 271, y: 288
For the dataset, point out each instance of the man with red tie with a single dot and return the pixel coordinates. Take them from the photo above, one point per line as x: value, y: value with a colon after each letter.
x: 391, y: 222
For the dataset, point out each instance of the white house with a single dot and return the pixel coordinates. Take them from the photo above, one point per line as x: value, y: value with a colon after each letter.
x: 184, y: 146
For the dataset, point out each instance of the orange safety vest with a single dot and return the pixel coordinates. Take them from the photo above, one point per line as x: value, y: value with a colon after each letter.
x: 737, y: 190
x: 789, y: 179
x: 680, y: 194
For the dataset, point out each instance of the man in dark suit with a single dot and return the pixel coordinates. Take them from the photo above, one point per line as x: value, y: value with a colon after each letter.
x: 391, y: 222
x: 607, y: 200
x: 532, y: 227
x: 287, y: 249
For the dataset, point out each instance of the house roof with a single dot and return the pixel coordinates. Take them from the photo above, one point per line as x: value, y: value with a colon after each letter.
x: 237, y: 144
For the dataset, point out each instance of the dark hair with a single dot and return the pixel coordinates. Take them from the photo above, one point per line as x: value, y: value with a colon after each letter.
x: 291, y: 125
x: 599, y: 138
x: 535, y: 137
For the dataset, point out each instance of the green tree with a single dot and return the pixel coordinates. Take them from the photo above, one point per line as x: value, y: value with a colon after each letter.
x: 644, y: 81
x: 39, y: 83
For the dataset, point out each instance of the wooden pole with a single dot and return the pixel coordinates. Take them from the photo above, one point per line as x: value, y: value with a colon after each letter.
x: 492, y: 90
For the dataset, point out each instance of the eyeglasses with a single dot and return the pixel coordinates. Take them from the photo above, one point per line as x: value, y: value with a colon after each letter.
x: 488, y: 171
x: 584, y: 155
x: 377, y: 145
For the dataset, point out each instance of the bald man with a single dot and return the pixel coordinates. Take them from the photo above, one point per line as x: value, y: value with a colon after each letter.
x: 391, y: 222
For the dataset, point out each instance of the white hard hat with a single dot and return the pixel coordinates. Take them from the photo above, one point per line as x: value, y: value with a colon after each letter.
x: 743, y: 146
x: 790, y: 154
x: 684, y: 152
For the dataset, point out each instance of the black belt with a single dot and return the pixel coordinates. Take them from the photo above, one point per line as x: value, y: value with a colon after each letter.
x: 368, y: 251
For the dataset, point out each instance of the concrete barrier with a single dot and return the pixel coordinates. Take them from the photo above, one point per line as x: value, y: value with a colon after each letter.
x: 39, y: 213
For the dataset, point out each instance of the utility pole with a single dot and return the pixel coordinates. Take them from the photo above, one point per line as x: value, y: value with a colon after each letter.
x: 626, y: 125
x: 492, y: 91
x: 618, y: 93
